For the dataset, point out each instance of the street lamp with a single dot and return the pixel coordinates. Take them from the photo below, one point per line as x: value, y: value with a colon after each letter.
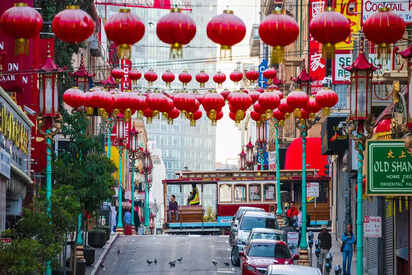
x: 250, y: 159
x: 242, y: 157
x: 147, y: 168
x: 133, y: 155
x: 360, y: 121
x: 49, y: 120
x: 121, y: 142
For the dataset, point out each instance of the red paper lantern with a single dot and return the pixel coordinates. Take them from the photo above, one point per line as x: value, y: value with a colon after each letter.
x: 226, y: 30
x: 239, y: 102
x: 117, y: 74
x: 196, y: 116
x: 186, y: 102
x: 329, y: 28
x: 326, y: 99
x: 278, y: 30
x: 213, y: 101
x: 74, y: 97
x: 173, y: 114
x: 384, y: 28
x: 185, y: 78
x: 176, y: 29
x: 135, y: 76
x: 168, y: 77
x: 254, y: 95
x: 236, y: 76
x: 214, y: 116
x: 148, y: 114
x: 268, y: 102
x: 284, y: 107
x: 225, y: 93
x: 72, y: 25
x: 219, y: 78
x: 256, y: 116
x: 150, y: 76
x: 257, y: 108
x: 125, y: 29
x: 252, y: 76
x: 22, y: 23
x: 158, y: 103
x: 106, y: 101
x: 237, y: 117
x: 202, y: 78
x: 278, y: 115
x: 297, y: 99
x: 312, y: 106
x: 269, y: 74
x: 138, y: 102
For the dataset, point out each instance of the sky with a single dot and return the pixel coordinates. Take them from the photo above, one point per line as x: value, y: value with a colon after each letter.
x: 227, y: 135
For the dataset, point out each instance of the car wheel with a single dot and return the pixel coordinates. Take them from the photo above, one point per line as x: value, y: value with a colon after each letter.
x: 234, y: 257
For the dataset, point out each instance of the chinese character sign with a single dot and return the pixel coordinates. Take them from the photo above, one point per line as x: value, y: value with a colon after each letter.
x: 316, y: 62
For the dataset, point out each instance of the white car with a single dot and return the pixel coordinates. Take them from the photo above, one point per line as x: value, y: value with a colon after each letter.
x: 285, y: 269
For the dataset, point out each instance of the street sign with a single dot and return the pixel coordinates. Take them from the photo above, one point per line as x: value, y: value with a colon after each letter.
x: 312, y: 190
x: 372, y: 226
x: 5, y: 241
x: 389, y: 168
x: 262, y: 67
x: 293, y: 239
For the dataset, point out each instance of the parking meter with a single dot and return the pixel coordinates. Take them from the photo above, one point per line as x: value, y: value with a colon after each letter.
x: 338, y: 270
x: 317, y: 248
x: 328, y: 262
x: 311, y: 237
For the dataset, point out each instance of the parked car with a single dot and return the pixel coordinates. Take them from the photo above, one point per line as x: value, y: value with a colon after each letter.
x: 239, y: 213
x: 266, y: 234
x: 249, y: 221
x: 292, y: 270
x: 259, y: 254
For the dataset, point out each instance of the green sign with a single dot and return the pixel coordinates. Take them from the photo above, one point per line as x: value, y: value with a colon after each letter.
x: 389, y: 168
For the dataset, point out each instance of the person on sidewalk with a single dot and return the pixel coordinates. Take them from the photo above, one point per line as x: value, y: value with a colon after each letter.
x: 292, y: 214
x: 325, y: 243
x: 348, y: 240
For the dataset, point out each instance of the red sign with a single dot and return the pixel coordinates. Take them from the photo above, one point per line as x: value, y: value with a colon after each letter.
x: 317, y: 64
x: 126, y: 66
x: 149, y: 4
x: 5, y: 240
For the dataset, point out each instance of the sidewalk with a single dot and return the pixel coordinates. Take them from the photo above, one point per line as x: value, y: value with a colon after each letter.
x: 100, y: 253
x: 337, y: 255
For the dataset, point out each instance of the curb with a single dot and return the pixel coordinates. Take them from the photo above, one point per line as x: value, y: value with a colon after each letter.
x: 103, y: 255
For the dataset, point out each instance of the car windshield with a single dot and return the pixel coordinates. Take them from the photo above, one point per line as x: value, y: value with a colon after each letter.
x: 267, y: 236
x: 269, y: 250
x: 240, y: 213
x: 248, y: 223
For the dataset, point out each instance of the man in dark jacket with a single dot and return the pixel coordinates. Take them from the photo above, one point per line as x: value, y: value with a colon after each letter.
x: 325, y: 242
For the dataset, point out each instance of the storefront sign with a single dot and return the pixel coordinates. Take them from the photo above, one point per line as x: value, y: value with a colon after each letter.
x: 5, y: 241
x: 401, y: 8
x: 13, y: 129
x: 372, y: 226
x: 4, y: 163
x: 389, y: 168
x: 262, y: 67
x: 293, y: 239
x: 317, y: 64
x: 126, y: 66
x: 151, y: 4
x: 334, y: 139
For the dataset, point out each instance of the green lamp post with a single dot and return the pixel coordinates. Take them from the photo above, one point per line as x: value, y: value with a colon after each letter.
x: 49, y: 121
x: 359, y: 128
x: 133, y: 155
x: 147, y: 169
x: 121, y: 142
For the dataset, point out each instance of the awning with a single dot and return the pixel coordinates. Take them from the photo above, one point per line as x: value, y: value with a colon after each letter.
x: 314, y: 157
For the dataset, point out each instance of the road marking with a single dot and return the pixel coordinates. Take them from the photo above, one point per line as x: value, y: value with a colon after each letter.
x: 226, y: 271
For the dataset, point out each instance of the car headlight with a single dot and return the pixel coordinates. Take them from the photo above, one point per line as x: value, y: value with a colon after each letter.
x: 250, y: 268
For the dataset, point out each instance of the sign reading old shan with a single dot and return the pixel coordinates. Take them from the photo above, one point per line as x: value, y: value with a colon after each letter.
x: 389, y: 170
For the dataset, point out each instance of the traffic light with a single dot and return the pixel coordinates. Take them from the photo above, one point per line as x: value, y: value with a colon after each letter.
x: 327, y: 170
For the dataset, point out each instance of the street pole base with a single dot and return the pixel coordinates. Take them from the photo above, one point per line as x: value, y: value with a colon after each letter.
x: 119, y: 230
x: 303, y: 257
x: 79, y: 252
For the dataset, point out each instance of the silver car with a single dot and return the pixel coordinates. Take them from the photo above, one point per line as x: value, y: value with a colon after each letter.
x: 285, y: 269
x: 236, y: 218
x: 266, y: 234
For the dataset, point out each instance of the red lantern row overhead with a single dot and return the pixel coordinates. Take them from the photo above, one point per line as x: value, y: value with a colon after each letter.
x: 252, y: 76
x: 383, y: 29
x: 150, y: 76
x: 329, y: 28
x: 278, y: 30
x: 185, y: 78
x: 236, y: 76
x: 226, y: 30
x: 72, y: 25
x: 21, y: 22
x: 176, y: 29
x: 124, y: 29
x: 168, y: 77
x: 202, y: 78
x: 219, y: 78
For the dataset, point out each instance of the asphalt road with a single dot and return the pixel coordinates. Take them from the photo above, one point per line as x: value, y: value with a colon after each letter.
x: 198, y: 252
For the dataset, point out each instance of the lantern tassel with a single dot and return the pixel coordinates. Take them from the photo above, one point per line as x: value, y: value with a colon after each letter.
x: 328, y: 50
x: 277, y: 55
x: 176, y: 51
x: 149, y: 120
x: 124, y: 51
x: 21, y: 46
x: 225, y: 52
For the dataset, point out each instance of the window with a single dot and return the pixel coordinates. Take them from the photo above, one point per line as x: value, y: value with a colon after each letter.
x: 240, y: 193
x: 225, y: 193
x: 278, y: 251
x: 250, y: 222
x: 255, y: 193
x: 269, y: 192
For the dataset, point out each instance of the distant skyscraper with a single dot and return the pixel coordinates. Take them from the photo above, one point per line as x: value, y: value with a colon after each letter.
x: 181, y: 145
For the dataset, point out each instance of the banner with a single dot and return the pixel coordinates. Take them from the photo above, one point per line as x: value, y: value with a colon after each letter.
x: 351, y: 9
x: 401, y: 8
x: 150, y: 4
x: 126, y: 66
x: 317, y: 67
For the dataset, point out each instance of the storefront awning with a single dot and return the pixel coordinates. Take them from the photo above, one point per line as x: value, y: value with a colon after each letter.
x: 314, y: 157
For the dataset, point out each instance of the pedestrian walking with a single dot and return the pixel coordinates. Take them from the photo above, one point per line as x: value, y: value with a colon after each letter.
x: 127, y: 218
x: 348, y: 241
x: 113, y: 215
x: 325, y: 243
x: 292, y: 214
